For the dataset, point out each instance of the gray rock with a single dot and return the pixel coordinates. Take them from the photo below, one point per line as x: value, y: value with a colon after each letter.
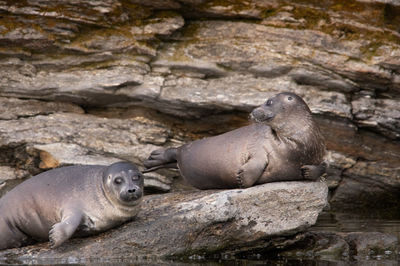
x: 334, y: 246
x: 157, y: 182
x: 10, y: 177
x: 61, y: 154
x: 203, y: 221
x: 369, y: 244
x: 12, y: 108
x: 382, y: 115
x: 82, y: 134
x: 365, y: 181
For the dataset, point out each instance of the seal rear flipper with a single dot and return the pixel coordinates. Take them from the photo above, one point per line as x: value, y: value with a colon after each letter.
x: 252, y: 170
x: 313, y: 172
x: 62, y: 231
x: 163, y: 158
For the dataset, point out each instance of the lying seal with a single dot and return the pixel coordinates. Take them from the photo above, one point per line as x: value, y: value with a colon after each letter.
x: 284, y: 143
x: 69, y: 201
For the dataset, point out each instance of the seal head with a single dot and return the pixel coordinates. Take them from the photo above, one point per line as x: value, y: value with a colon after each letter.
x: 276, y: 110
x: 291, y: 120
x: 123, y: 183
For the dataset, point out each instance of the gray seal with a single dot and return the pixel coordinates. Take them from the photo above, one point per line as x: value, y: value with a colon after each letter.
x: 284, y: 143
x: 69, y: 201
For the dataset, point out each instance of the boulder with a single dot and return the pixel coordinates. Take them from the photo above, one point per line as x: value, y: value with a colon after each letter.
x: 181, y: 224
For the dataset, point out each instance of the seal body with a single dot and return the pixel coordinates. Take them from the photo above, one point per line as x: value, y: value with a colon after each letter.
x: 69, y: 201
x: 284, y: 143
x: 215, y: 162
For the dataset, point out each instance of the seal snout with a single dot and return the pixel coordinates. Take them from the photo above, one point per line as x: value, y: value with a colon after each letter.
x: 131, y: 193
x: 261, y: 115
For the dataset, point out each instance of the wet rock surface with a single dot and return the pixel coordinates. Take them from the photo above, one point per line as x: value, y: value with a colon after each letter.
x: 360, y: 246
x: 198, y: 222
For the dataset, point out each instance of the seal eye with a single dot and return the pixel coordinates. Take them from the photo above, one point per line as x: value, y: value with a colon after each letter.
x: 118, y: 180
x: 268, y: 103
x: 290, y: 98
x: 135, y: 177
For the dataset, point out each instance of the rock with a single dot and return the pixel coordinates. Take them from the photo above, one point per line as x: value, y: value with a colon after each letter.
x: 61, y: 154
x: 323, y: 245
x: 378, y: 158
x: 368, y: 244
x: 364, y: 181
x: 156, y: 182
x: 333, y: 246
x: 96, y: 134
x: 10, y: 177
x: 198, y: 222
x: 12, y: 108
x: 382, y: 115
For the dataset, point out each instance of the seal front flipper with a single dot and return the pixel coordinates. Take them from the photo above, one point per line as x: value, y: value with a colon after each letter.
x: 163, y: 158
x: 313, y: 172
x: 252, y: 170
x: 62, y: 231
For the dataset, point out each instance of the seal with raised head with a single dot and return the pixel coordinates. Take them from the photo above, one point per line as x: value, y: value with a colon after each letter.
x: 69, y: 201
x: 284, y: 143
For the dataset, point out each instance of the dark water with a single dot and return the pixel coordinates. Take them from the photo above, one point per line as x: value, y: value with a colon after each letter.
x: 353, y: 222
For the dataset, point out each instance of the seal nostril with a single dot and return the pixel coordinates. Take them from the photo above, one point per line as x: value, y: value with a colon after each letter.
x: 131, y: 190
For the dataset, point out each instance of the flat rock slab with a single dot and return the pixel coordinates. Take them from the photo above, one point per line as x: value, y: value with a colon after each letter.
x: 194, y: 222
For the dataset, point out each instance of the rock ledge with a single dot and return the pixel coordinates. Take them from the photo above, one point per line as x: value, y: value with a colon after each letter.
x: 195, y: 222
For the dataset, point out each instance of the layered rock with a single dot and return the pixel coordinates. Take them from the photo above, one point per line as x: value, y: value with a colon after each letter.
x: 166, y: 72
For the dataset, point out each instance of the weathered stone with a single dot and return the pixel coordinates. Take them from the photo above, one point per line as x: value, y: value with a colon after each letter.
x: 154, y: 181
x: 10, y: 177
x: 324, y: 245
x: 11, y: 108
x: 330, y: 81
x: 358, y: 246
x: 62, y: 154
x: 85, y: 87
x: 365, y: 181
x: 337, y: 164
x: 368, y: 244
x: 382, y: 115
x: 203, y: 221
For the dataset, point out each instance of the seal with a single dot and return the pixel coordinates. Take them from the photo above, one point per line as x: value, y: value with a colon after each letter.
x: 284, y: 143
x: 69, y: 201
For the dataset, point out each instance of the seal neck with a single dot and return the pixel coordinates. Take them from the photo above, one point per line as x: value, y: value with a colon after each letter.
x: 304, y: 133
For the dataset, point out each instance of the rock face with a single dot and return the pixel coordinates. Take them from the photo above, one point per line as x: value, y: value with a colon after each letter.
x: 94, y: 82
x: 198, y: 222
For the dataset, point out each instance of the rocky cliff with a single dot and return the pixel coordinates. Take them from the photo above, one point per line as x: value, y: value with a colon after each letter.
x: 97, y: 81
